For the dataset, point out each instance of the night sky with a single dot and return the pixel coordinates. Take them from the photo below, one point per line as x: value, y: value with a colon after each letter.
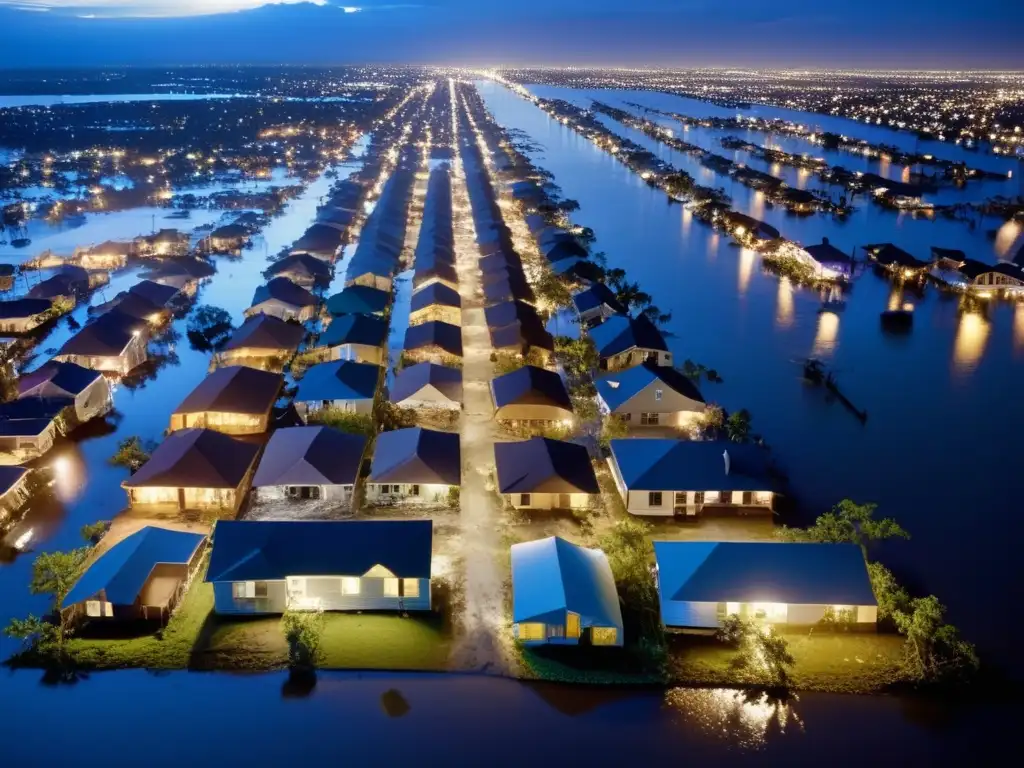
x: 937, y: 34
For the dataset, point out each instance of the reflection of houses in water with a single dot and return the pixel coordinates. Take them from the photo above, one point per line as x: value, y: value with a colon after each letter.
x: 747, y: 717
x: 971, y: 337
x: 825, y: 337
x: 784, y: 304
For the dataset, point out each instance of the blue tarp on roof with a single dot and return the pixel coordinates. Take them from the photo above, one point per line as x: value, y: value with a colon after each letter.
x: 690, y: 465
x: 122, y: 571
x: 770, y: 572
x: 551, y: 576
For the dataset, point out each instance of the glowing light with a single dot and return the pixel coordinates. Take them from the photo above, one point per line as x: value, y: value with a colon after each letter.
x: 746, y: 269
x: 784, y: 307
x: 971, y: 336
x: 825, y: 338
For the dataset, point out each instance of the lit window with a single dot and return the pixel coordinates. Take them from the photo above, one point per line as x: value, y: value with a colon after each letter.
x: 390, y: 587
x: 654, y: 499
x: 732, y: 609
x: 92, y: 608
x: 241, y: 590
x: 531, y: 630
x: 411, y: 587
x: 349, y: 585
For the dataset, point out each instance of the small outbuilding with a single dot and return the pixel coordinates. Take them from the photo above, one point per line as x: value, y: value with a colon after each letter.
x: 313, y: 462
x: 624, y: 341
x: 597, y: 303
x: 236, y: 400
x: 414, y: 465
x: 541, y: 473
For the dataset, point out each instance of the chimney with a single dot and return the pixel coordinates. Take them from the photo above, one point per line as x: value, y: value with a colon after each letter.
x: 725, y: 455
x: 824, y: 241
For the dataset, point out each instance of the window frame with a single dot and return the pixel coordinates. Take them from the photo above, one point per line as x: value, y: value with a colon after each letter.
x: 651, y: 496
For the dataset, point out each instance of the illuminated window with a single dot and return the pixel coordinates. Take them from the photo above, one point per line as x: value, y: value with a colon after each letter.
x: 649, y: 419
x: 604, y: 635
x: 243, y: 590
x: 350, y: 585
x: 411, y: 587
x: 92, y: 608
x: 531, y: 630
x: 390, y: 587
x: 732, y: 608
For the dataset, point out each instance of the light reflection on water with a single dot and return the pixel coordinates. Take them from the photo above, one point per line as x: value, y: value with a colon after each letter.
x: 825, y: 337
x: 1006, y: 236
x: 744, y: 718
x: 746, y: 269
x: 784, y: 309
x: 1018, y: 327
x: 971, y: 336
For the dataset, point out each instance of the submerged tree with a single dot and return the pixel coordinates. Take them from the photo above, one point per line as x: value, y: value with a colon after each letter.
x: 760, y: 650
x: 132, y: 453
x: 846, y: 522
x: 209, y: 327
x: 737, y: 426
x: 935, y: 651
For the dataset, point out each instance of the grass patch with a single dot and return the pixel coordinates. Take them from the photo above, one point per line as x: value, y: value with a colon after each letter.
x: 385, y: 641
x: 583, y: 664
x: 841, y: 662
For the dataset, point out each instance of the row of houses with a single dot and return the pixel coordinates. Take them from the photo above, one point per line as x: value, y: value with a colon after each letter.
x: 951, y: 268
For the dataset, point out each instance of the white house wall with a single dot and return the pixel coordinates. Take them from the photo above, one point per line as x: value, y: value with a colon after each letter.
x: 360, y: 353
x: 549, y: 500
x: 280, y: 597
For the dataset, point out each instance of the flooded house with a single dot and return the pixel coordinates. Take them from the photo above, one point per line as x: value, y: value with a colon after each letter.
x: 314, y: 462
x: 228, y: 238
x: 829, y: 262
x: 359, y: 300
x: 414, y: 466
x: 156, y: 293
x: 433, y: 342
x: 283, y: 299
x: 269, y: 567
x: 342, y: 384
x: 563, y: 594
x: 142, y: 577
x: 69, y: 284
x: 109, y: 255
x: 650, y: 395
x: 427, y: 386
x: 302, y: 269
x: 748, y: 228
x: 355, y: 337
x: 194, y: 469
x: 262, y: 339
x: 86, y: 389
x: 541, y: 473
x: 136, y: 306
x: 184, y: 274
x: 236, y: 400
x: 531, y: 397
x: 685, y: 478
x: 14, y: 490
x: 516, y: 328
x: 429, y: 273
x: 896, y: 260
x: 372, y: 274
x: 29, y: 426
x: 597, y: 303
x: 165, y: 243
x: 25, y: 315
x: 113, y: 342
x: 321, y: 240
x: 624, y: 341
x: 436, y: 301
x: 788, y: 585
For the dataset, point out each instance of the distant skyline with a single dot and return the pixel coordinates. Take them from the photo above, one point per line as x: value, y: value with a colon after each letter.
x: 942, y: 34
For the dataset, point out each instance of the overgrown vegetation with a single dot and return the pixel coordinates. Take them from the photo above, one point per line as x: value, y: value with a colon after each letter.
x: 344, y: 421
x: 303, y: 632
x: 132, y: 453
x: 303, y: 361
x: 612, y: 428
x: 209, y: 328
x: 849, y: 522
x: 760, y: 651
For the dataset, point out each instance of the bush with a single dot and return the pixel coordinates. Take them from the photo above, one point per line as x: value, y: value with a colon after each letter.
x: 344, y: 421
x: 760, y: 650
x: 613, y: 428
x: 303, y: 633
x: 132, y: 453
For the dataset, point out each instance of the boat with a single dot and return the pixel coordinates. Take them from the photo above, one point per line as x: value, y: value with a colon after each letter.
x: 20, y: 242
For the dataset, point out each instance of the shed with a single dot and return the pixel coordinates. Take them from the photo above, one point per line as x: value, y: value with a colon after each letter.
x: 236, y: 400
x: 624, y: 341
x: 597, y: 302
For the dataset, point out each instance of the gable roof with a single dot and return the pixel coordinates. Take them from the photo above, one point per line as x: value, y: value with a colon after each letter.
x: 619, y: 387
x: 339, y: 380
x: 769, y: 572
x: 412, y: 379
x: 284, y: 290
x: 10, y: 476
x: 258, y: 550
x: 444, y: 335
x: 123, y: 570
x: 24, y: 308
x: 542, y: 465
x: 313, y: 455
x: 522, y: 336
x: 596, y: 295
x: 196, y: 458
x: 234, y: 389
x: 648, y: 464
x: 551, y: 576
x: 69, y: 378
x: 417, y: 455
x: 107, y: 335
x: 826, y: 253
x: 620, y: 333
x: 302, y: 263
x: 435, y: 293
x: 530, y: 385
x: 355, y: 329
x: 889, y: 255
x: 262, y: 331
x: 358, y: 299
x: 155, y: 293
x: 132, y: 305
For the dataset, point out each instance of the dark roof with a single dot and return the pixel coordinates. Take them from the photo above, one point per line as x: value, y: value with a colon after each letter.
x: 412, y: 379
x: 754, y: 226
x: 530, y: 385
x: 618, y: 387
x: 196, y: 458
x: 10, y: 476
x: 123, y: 570
x: 30, y: 416
x: 130, y: 304
x: 445, y: 335
x: 155, y: 293
x: 313, y: 455
x: 417, y: 455
x: 58, y: 285
x: 283, y: 289
x: 355, y: 329
x: 300, y: 262
x: 595, y: 296
x: 107, y: 335
x: 319, y: 237
x: 541, y: 465
x: 358, y: 299
x: 564, y: 249
x: 339, y: 380
x: 266, y: 332
x: 259, y: 550
x: 507, y: 312
x: 620, y: 333
x: 953, y: 254
x: 889, y: 255
x: 188, y: 267
x: 795, y: 573
x: 438, y: 269
x: 678, y: 465
x: 68, y: 377
x: 230, y: 230
x: 435, y: 293
x: 826, y: 253
x: 24, y: 308
x: 522, y: 336
x: 507, y: 289
x: 234, y: 389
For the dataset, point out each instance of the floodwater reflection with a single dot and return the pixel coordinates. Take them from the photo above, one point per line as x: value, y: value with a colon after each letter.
x: 1006, y: 236
x: 825, y: 337
x: 746, y: 269
x: 1018, y: 327
x: 971, y: 335
x: 784, y: 308
x: 745, y: 718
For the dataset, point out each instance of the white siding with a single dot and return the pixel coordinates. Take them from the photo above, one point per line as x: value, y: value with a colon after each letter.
x: 322, y: 591
x: 360, y: 353
x: 427, y: 493
x: 549, y: 500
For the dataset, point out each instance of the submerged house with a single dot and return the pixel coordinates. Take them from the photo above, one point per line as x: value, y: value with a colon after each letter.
x: 263, y: 338
x: 228, y: 238
x: 692, y: 477
x: 260, y: 567
x: 427, y: 385
x: 532, y: 397
x: 342, y: 384
x: 597, y: 303
x: 107, y: 255
x: 194, y: 469
x: 436, y: 301
x: 313, y: 462
x: 29, y: 426
x: 236, y: 400
x: 136, y: 306
x: 623, y: 342
x: 166, y: 242
x: 25, y: 315
x: 113, y: 342
x: 830, y: 262
x: 433, y: 342
x: 896, y: 260
x: 143, y: 576
x: 14, y: 490
x: 414, y: 465
x: 541, y: 473
x: 784, y: 584
x: 650, y: 396
x: 302, y: 269
x: 355, y: 337
x: 359, y: 300
x: 87, y: 390
x: 563, y: 593
x: 283, y: 299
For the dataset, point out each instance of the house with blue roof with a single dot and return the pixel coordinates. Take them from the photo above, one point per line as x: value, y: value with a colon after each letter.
x: 686, y: 478
x: 650, y: 395
x: 87, y: 388
x: 414, y: 466
x: 784, y: 584
x: 267, y: 567
x: 624, y: 341
x: 355, y: 337
x: 562, y: 593
x: 597, y: 303
x: 342, y: 384
x: 143, y: 576
x: 359, y: 300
